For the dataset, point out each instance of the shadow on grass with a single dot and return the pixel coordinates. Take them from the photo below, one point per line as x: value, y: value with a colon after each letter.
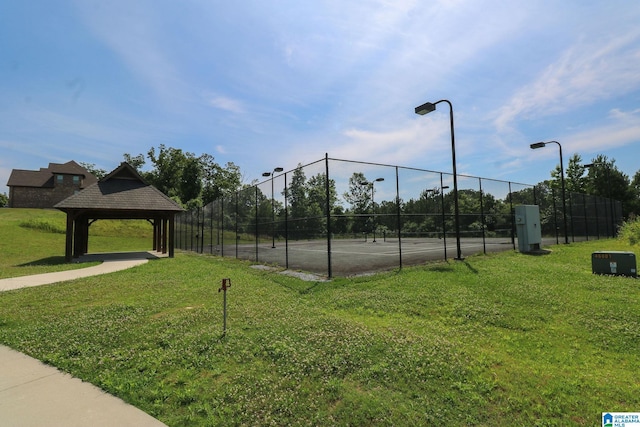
x: 52, y: 260
x: 538, y: 252
x: 470, y: 267
x: 443, y: 268
x: 300, y: 289
x: 449, y: 267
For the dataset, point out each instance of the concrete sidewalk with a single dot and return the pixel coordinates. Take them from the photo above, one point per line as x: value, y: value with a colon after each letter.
x: 34, y: 394
x: 110, y: 262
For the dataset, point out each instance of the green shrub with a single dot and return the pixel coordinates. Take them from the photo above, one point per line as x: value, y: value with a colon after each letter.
x: 46, y: 225
x: 630, y: 231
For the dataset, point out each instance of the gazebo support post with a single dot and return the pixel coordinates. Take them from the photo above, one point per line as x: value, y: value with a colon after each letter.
x: 68, y: 249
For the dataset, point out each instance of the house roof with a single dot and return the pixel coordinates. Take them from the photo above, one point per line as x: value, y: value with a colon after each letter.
x: 122, y: 190
x: 44, y: 176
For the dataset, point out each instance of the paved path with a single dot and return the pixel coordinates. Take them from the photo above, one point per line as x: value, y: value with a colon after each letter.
x: 34, y: 394
x: 110, y: 262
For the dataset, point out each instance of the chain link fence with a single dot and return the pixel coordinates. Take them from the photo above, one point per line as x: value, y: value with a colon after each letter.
x: 341, y: 217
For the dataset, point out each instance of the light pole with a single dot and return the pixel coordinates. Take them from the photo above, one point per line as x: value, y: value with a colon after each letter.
x: 373, y: 203
x: 273, y: 212
x: 564, y: 198
x: 426, y: 108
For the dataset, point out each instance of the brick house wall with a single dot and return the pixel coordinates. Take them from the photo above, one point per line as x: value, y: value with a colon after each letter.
x: 44, y: 188
x: 40, y: 197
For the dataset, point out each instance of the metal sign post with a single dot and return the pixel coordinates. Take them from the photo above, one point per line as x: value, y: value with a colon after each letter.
x: 226, y: 283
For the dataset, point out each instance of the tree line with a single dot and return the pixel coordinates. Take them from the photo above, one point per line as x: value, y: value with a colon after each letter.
x: 197, y: 180
x: 481, y: 213
x: 191, y: 180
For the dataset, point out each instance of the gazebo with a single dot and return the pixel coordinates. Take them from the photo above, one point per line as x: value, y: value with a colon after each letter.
x: 122, y: 194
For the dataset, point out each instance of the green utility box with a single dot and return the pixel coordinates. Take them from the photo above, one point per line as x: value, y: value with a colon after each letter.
x: 616, y: 263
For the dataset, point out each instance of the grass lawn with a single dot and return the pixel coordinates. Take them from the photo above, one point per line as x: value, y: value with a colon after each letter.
x: 504, y: 339
x: 32, y: 241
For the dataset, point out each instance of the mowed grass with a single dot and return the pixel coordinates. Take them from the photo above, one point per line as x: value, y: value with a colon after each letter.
x: 32, y: 241
x: 505, y: 339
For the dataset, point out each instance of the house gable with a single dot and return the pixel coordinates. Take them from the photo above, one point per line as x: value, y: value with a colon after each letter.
x: 46, y: 187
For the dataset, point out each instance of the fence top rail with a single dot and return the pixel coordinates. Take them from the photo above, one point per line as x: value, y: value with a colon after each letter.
x: 257, y: 184
x: 425, y: 170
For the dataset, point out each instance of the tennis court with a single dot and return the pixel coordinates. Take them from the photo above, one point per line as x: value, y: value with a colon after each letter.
x: 360, y: 256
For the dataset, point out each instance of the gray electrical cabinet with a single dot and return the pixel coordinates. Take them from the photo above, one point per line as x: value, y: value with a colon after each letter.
x: 528, y: 228
x: 615, y: 263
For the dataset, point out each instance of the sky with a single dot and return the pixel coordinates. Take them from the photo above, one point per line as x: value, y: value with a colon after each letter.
x: 278, y: 83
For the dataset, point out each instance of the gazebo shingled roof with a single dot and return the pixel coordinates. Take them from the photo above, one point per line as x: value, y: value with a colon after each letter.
x: 123, y: 194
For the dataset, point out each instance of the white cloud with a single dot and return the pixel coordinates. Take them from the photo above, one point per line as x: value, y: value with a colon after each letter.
x: 415, y: 141
x: 585, y: 73
x: 604, y: 138
x: 226, y: 104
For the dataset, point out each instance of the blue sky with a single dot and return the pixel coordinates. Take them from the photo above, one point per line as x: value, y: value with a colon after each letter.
x: 277, y: 83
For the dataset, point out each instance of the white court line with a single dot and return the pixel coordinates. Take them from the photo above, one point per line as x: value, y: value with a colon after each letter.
x: 387, y: 253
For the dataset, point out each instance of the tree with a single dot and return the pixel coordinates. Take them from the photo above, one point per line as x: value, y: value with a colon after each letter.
x: 604, y: 179
x: 296, y: 196
x: 168, y: 166
x: 135, y: 162
x: 190, y: 186
x: 218, y: 181
x: 93, y: 170
x: 359, y: 197
x: 317, y: 201
x: 574, y: 180
x: 317, y: 192
x: 307, y: 202
x: 4, y: 200
x: 189, y: 177
x: 359, y: 194
x: 634, y: 203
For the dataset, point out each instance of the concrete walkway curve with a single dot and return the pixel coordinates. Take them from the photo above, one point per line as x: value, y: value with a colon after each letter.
x: 110, y: 262
x: 34, y: 394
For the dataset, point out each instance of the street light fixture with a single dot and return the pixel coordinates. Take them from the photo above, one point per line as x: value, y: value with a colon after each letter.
x: 564, y: 198
x: 373, y: 203
x: 273, y: 212
x: 426, y: 108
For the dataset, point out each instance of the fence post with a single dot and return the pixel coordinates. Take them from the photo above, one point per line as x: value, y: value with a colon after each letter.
x: 257, y: 230
x: 328, y: 208
x: 399, y: 221
x: 236, y: 225
x: 201, y: 231
x: 444, y: 222
x: 613, y: 222
x: 221, y: 226
x: 286, y: 223
x: 191, y: 223
x: 586, y: 218
x: 211, y: 229
x: 484, y: 244
x: 512, y: 217
x: 573, y: 235
x: 595, y: 205
x: 555, y: 214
